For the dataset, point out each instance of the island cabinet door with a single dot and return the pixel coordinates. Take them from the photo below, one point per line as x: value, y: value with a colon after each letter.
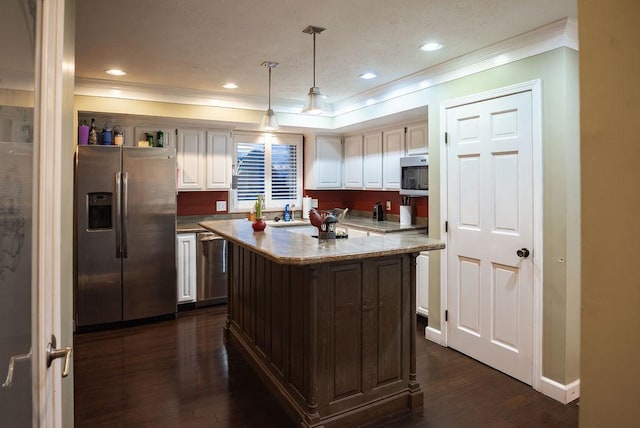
x: 363, y: 324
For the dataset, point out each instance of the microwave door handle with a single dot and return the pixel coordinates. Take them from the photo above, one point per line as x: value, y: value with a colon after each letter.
x: 125, y: 212
x: 118, y: 215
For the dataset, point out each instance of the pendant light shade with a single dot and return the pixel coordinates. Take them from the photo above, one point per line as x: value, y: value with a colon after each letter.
x: 315, y: 100
x: 269, y: 120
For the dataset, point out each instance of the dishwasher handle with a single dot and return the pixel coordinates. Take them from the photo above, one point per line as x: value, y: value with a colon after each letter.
x: 207, y: 236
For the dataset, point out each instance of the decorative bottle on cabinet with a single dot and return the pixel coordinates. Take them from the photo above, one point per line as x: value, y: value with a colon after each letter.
x: 93, y: 133
x: 160, y: 139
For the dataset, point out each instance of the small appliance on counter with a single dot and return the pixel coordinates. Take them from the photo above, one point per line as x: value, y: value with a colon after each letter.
x: 378, y: 211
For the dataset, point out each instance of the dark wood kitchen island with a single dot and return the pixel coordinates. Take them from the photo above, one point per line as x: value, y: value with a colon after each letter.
x: 328, y: 325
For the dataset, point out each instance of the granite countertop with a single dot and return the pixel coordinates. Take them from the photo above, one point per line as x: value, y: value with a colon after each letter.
x: 282, y: 246
x: 191, y: 224
x: 384, y: 226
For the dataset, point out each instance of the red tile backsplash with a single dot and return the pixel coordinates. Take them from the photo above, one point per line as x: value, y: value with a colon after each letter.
x: 201, y: 203
x: 363, y: 200
x: 204, y: 203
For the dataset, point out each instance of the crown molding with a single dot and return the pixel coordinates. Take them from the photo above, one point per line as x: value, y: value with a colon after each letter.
x: 145, y: 92
x: 561, y: 33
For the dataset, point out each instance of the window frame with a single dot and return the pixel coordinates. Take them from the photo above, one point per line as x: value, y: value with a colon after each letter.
x: 268, y: 140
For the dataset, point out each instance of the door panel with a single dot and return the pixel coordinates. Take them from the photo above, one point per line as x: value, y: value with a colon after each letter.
x: 15, y: 280
x: 149, y: 267
x: 490, y: 206
x: 98, y: 266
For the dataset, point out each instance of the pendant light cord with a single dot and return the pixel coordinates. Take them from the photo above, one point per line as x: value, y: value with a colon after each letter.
x: 314, y: 60
x: 270, y: 86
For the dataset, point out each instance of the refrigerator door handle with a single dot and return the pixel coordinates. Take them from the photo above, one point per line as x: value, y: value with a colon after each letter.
x: 118, y: 214
x: 125, y: 212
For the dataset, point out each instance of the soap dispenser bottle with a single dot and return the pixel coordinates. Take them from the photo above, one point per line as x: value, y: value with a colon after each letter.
x: 287, y: 213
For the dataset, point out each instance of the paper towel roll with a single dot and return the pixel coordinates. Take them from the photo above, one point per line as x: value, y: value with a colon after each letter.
x: 405, y: 215
x: 306, y: 206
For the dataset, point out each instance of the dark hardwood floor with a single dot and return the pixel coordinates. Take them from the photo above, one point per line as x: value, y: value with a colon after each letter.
x: 179, y: 373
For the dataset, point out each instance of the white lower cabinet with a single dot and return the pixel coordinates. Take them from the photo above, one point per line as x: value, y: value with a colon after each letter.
x: 186, y: 266
x: 422, y: 284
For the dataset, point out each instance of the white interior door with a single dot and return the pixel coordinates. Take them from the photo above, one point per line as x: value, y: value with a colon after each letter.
x: 490, y: 217
x: 35, y: 212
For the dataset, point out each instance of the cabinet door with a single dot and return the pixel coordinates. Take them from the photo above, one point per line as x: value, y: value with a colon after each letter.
x: 169, y: 135
x: 422, y: 284
x: 372, y: 173
x: 218, y: 160
x: 417, y: 140
x: 328, y: 162
x: 392, y: 151
x: 191, y: 159
x: 186, y: 266
x: 353, y: 162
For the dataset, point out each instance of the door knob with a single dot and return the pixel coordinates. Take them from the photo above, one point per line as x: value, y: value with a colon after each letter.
x: 53, y: 353
x: 12, y: 362
x: 522, y: 253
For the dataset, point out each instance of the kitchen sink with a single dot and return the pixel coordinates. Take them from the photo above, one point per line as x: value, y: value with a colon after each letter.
x: 293, y: 223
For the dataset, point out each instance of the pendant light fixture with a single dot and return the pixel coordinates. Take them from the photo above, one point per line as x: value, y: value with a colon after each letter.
x: 269, y: 120
x: 315, y: 100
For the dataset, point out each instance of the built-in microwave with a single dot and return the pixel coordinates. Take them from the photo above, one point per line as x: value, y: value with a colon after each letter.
x: 415, y: 175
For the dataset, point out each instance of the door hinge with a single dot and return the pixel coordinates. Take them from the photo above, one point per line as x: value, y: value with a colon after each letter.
x: 405, y: 129
x: 446, y: 226
x: 446, y: 314
x: 446, y: 138
x: 176, y: 131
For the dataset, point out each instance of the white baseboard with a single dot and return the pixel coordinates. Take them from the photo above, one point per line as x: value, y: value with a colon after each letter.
x: 559, y: 392
x: 433, y: 335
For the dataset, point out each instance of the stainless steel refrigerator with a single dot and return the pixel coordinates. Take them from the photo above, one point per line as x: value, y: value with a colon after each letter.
x: 125, y: 234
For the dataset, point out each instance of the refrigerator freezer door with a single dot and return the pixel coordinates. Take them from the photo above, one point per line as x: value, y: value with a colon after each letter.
x: 99, y: 291
x: 149, y: 231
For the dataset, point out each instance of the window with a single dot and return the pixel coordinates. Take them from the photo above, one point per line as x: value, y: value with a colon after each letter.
x: 269, y: 165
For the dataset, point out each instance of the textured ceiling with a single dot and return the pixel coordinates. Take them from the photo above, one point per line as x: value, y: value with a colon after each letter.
x: 202, y: 44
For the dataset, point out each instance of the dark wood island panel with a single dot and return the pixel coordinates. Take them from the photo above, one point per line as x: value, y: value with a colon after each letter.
x: 335, y: 341
x: 330, y: 327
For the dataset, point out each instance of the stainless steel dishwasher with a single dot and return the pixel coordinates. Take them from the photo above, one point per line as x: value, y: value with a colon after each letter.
x: 212, y: 269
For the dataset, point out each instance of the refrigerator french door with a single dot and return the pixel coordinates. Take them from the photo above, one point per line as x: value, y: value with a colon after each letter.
x: 125, y: 234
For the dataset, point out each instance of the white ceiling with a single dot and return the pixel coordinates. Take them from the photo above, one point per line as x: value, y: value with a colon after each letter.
x: 198, y: 45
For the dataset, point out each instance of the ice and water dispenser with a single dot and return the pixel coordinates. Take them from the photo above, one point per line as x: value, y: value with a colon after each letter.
x: 99, y: 210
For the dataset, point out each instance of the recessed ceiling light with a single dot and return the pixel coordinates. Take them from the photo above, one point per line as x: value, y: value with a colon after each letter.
x: 367, y: 76
x: 230, y: 85
x: 431, y: 46
x: 115, y: 72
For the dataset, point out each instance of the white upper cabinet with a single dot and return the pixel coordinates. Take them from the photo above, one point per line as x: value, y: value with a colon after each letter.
x: 218, y: 160
x: 191, y: 162
x: 417, y: 139
x: 372, y: 167
x: 353, y: 162
x: 325, y: 171
x: 204, y: 159
x: 392, y: 151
